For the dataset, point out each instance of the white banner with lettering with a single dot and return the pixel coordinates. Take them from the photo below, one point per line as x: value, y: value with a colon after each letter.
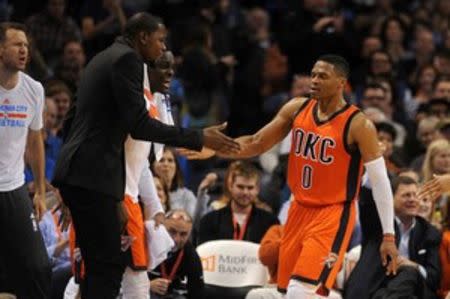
x: 230, y: 263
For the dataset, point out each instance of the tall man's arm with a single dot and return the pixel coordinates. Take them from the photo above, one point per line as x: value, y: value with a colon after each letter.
x: 36, y: 159
x: 364, y: 135
x: 127, y: 74
x: 261, y: 141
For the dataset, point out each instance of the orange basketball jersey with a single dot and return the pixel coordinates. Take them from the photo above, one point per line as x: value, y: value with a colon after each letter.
x: 323, y: 169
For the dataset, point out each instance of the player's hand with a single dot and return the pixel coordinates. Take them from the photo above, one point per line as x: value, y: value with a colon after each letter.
x: 204, y: 154
x: 125, y: 242
x: 159, y: 286
x: 389, y: 254
x: 435, y: 187
x: 214, y: 139
x: 39, y: 205
x: 123, y: 215
x: 159, y: 219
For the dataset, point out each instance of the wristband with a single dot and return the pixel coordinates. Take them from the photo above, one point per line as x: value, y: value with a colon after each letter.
x: 389, y: 237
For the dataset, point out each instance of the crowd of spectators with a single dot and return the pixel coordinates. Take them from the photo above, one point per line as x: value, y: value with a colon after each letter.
x: 240, y: 61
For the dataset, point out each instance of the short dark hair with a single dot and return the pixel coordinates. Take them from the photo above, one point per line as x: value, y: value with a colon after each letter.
x: 141, y: 22
x: 340, y: 63
x: 5, y: 26
x: 386, y: 128
x: 245, y: 169
x: 402, y: 180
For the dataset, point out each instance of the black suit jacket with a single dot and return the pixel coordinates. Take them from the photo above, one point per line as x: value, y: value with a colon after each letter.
x: 218, y: 225
x: 109, y: 107
x: 369, y: 274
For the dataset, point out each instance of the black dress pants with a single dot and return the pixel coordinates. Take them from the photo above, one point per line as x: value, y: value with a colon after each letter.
x: 98, y: 231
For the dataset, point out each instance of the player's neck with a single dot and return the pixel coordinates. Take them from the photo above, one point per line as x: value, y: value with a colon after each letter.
x: 240, y: 209
x: 331, y: 105
x: 8, y: 79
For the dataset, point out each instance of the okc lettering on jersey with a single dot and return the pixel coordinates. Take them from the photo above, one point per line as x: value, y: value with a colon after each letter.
x: 313, y: 147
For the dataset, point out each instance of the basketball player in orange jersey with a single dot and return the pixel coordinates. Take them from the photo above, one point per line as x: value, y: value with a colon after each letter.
x: 331, y: 141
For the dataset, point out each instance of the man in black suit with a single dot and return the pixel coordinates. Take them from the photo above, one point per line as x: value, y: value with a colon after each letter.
x: 90, y: 172
x: 240, y: 219
x: 418, y: 243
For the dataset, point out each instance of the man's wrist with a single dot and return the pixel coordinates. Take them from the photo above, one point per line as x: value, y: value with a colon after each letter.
x: 389, y: 237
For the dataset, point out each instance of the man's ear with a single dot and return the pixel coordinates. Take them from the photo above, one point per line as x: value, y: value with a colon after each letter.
x: 143, y: 38
x: 343, y: 83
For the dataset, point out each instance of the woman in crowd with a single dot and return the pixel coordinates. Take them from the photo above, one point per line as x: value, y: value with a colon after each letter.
x: 168, y: 170
x: 437, y: 162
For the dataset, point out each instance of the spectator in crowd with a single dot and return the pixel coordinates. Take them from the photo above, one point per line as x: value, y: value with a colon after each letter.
x: 168, y: 169
x: 52, y: 143
x: 314, y: 28
x: 441, y: 62
x: 376, y: 95
x: 427, y: 132
x: 424, y: 48
x: 180, y: 275
x: 437, y: 162
x: 423, y: 87
x: 252, y: 43
x: 101, y: 22
x: 199, y: 74
x: 444, y: 128
x: 441, y: 88
x: 439, y: 108
x: 240, y: 219
x: 49, y: 30
x: 225, y: 198
x: 440, y: 20
x: 57, y: 244
x: 162, y: 191
x: 386, y: 135
x: 71, y: 64
x: 62, y: 96
x: 418, y: 242
x: 393, y: 36
x: 369, y: 45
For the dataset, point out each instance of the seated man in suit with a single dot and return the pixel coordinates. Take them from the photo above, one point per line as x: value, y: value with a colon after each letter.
x: 418, y: 243
x: 180, y: 276
x: 240, y: 219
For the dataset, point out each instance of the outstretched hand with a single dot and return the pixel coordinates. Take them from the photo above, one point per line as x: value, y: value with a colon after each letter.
x: 204, y: 154
x: 214, y: 139
x: 435, y: 187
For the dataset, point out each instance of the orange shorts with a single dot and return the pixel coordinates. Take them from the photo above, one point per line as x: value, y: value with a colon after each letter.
x: 314, y: 243
x: 135, y: 228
